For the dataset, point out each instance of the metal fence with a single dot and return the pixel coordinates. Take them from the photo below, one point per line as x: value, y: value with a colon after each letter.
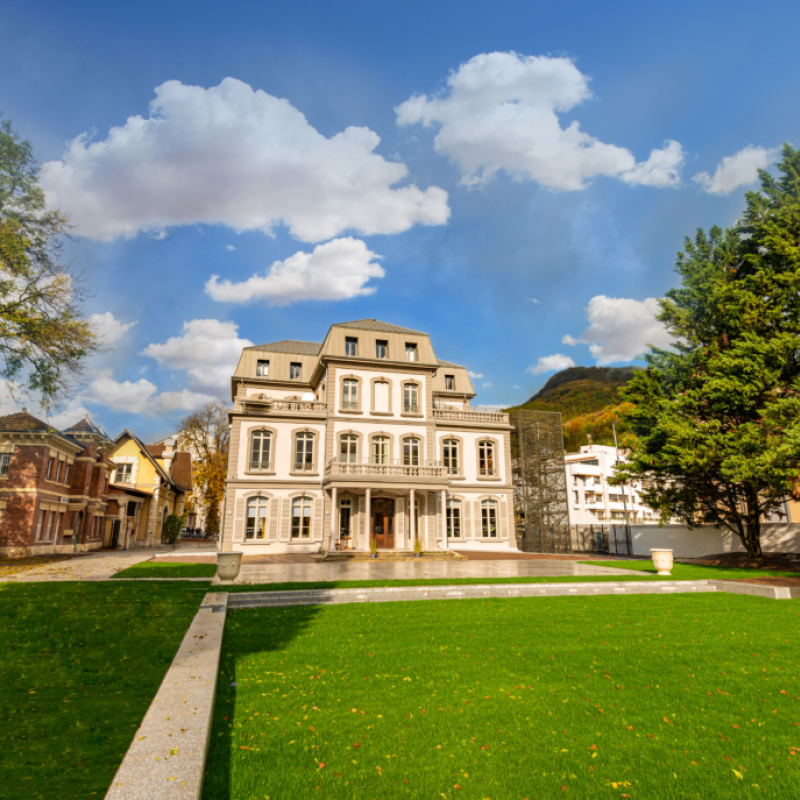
x: 611, y: 539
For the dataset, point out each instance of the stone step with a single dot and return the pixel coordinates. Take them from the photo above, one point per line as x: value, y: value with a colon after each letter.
x: 394, y: 555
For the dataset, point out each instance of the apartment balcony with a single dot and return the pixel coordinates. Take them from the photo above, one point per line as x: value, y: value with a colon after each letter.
x: 368, y: 472
x: 471, y: 417
x: 263, y: 404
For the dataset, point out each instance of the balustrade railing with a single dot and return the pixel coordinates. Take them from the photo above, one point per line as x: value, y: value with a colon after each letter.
x: 494, y: 417
x: 271, y: 405
x: 391, y: 468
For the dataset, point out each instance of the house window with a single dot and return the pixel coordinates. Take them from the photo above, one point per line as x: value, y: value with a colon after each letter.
x: 348, y: 448
x: 124, y: 473
x: 262, y: 369
x: 301, y: 518
x: 381, y: 348
x: 304, y: 452
x: 411, y: 351
x: 48, y: 525
x: 39, y: 525
x: 49, y: 469
x: 450, y: 448
x: 411, y: 398
x: 350, y: 346
x: 411, y: 452
x: 256, y: 518
x: 66, y: 476
x: 453, y: 519
x: 486, y: 458
x: 294, y: 370
x: 450, y: 382
x: 350, y: 394
x: 260, y: 447
x: 489, y: 519
x: 58, y: 471
x: 380, y: 450
x: 5, y: 460
x: 345, y: 515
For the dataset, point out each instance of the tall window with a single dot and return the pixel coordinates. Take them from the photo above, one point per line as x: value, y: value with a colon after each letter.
x: 381, y: 348
x: 450, y: 452
x: 48, y: 525
x: 294, y: 370
x: 260, y: 448
x: 58, y: 471
x: 489, y: 519
x: 486, y: 465
x: 411, y: 452
x: 350, y: 346
x: 411, y: 351
x: 5, y: 460
x: 348, y: 448
x: 256, y: 518
x: 262, y: 369
x: 66, y: 477
x: 411, y: 398
x: 124, y: 473
x: 301, y: 518
x: 453, y: 509
x: 350, y: 393
x: 345, y: 515
x: 380, y: 450
x: 450, y: 382
x: 304, y: 452
x: 49, y: 469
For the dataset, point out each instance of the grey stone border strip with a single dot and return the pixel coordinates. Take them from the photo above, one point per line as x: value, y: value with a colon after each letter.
x: 168, y: 754
x: 759, y: 590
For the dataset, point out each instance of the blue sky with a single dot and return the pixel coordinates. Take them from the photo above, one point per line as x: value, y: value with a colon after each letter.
x: 514, y: 179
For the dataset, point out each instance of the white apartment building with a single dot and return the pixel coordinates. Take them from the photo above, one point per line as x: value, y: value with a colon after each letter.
x: 333, y: 444
x: 592, y: 499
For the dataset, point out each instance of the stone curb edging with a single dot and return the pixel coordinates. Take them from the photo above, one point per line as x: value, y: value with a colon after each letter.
x: 759, y: 590
x: 167, y: 756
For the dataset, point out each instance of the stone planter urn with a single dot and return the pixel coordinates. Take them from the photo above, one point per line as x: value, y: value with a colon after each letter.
x: 417, y: 555
x: 373, y: 555
x: 228, y: 566
x: 662, y: 561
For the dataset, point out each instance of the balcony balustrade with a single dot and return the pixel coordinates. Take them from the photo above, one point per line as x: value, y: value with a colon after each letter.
x: 389, y: 468
x: 480, y: 417
x: 270, y: 405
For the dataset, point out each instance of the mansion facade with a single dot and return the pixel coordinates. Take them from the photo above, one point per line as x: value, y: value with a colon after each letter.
x: 364, y: 438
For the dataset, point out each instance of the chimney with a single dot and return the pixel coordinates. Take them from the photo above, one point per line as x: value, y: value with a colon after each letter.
x: 169, y: 454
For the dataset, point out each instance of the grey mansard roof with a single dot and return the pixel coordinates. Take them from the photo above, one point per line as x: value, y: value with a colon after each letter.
x: 376, y: 325
x: 290, y: 346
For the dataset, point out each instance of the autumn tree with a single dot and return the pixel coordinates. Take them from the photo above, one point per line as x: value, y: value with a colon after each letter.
x: 206, y: 435
x: 718, y: 417
x: 44, y: 339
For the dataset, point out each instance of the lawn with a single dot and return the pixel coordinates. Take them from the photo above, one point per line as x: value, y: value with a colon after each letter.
x: 79, y: 666
x: 696, y: 572
x: 690, y: 696
x: 174, y: 569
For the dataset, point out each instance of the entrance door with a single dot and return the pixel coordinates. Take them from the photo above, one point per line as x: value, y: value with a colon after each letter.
x: 383, y: 522
x: 115, y: 534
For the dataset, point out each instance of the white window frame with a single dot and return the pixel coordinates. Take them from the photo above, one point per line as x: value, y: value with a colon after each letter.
x: 411, y: 351
x: 411, y: 398
x: 123, y: 473
x: 260, y: 507
x: 380, y: 449
x: 450, y: 383
x: 411, y: 449
x: 381, y: 349
x: 351, y: 346
x: 304, y: 452
x: 489, y: 519
x: 348, y: 448
x: 350, y: 394
x: 295, y: 370
x: 301, y: 522
x: 487, y: 458
x: 264, y: 440
x: 451, y: 455
x: 453, y: 515
x: 262, y: 368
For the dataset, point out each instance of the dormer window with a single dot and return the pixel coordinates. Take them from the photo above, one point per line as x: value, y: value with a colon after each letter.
x: 262, y: 369
x: 450, y: 383
x: 294, y: 370
x: 411, y: 351
x: 350, y: 346
x: 381, y: 348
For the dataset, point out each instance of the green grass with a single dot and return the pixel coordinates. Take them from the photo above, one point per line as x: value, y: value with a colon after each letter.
x: 79, y: 666
x: 696, y: 572
x: 690, y: 696
x: 157, y: 569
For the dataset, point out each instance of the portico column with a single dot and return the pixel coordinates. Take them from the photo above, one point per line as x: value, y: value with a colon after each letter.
x: 445, y: 540
x: 332, y: 532
x: 368, y: 521
x: 412, y: 519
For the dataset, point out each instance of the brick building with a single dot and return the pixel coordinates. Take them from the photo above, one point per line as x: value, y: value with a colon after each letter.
x: 53, y: 486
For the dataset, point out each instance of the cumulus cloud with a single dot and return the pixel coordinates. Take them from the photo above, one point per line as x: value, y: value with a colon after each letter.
x: 474, y: 374
x: 208, y: 349
x: 109, y: 328
x: 621, y: 328
x: 234, y: 156
x: 73, y: 412
x: 737, y: 170
x: 119, y: 395
x: 500, y: 112
x: 185, y: 401
x: 337, y: 270
x: 487, y: 384
x: 552, y: 363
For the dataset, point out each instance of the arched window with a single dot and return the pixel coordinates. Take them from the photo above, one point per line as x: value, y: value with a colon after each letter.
x: 411, y: 452
x: 256, y: 518
x: 304, y: 452
x: 260, y: 448
x: 486, y: 462
x: 450, y: 453
x: 301, y: 518
x: 348, y: 448
x: 380, y: 450
x: 489, y: 519
x: 350, y: 394
x: 454, y: 519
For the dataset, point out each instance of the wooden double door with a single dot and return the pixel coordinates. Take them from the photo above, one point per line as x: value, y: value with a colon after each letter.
x: 382, y: 522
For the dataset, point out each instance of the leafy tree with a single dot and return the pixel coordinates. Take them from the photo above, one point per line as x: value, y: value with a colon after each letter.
x: 206, y: 435
x: 171, y: 529
x: 718, y: 419
x: 44, y: 340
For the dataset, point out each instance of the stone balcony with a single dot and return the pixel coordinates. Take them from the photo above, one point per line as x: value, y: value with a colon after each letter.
x: 471, y: 417
x: 391, y: 470
x: 263, y: 404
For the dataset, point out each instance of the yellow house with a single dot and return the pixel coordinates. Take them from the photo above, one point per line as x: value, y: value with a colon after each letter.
x: 150, y: 483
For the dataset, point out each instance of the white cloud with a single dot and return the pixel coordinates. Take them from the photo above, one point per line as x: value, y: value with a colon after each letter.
x: 474, y: 374
x: 336, y: 270
x: 551, y: 364
x: 208, y: 349
x: 500, y: 112
x: 73, y: 412
x: 185, y: 400
x: 620, y: 328
x: 119, y: 396
x: 109, y: 329
x: 736, y: 170
x: 532, y: 300
x: 233, y: 156
x: 486, y: 385
x: 229, y: 247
